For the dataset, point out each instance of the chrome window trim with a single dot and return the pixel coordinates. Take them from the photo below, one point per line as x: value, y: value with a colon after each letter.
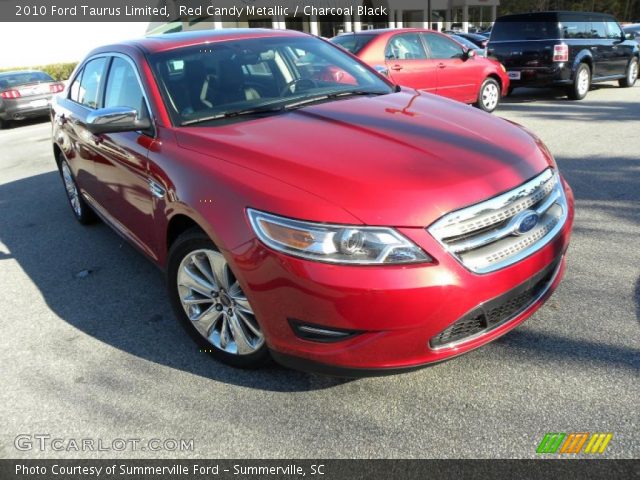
x: 108, y: 56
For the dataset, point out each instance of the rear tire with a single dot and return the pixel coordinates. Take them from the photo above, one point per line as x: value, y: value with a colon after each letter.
x: 3, y: 124
x: 209, y: 303
x: 79, y: 207
x: 581, y: 83
x: 489, y: 95
x: 631, y: 76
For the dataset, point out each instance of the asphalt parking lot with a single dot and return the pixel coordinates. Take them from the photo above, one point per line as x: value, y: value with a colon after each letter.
x: 90, y: 348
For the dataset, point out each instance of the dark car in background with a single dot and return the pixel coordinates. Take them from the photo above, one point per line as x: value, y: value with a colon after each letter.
x: 632, y: 30
x: 469, y: 44
x: 572, y: 49
x: 480, y: 41
x: 26, y: 94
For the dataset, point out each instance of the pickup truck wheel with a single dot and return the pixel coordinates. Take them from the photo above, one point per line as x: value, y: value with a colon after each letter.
x: 581, y: 83
x: 489, y: 95
x: 632, y: 74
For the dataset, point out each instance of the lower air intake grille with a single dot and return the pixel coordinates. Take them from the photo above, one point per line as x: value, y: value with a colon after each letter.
x: 496, y: 312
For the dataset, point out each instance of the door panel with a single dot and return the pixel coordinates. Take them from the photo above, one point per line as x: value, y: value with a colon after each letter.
x: 122, y: 168
x: 457, y: 78
x: 406, y: 60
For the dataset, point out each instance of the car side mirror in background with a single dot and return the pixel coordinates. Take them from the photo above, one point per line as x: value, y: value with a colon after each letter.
x: 116, y: 119
x: 628, y: 36
x: 471, y: 53
x: 381, y: 69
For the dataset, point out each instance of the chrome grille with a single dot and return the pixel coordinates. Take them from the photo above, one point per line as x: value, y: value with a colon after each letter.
x: 488, y: 236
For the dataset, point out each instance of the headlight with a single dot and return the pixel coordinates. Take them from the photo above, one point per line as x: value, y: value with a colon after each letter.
x: 335, y: 243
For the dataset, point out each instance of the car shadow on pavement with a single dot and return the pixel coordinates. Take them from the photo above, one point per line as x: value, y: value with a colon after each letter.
x: 96, y: 282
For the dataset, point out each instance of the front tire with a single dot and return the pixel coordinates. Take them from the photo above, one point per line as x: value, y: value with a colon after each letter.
x: 581, y: 83
x: 489, y: 95
x: 632, y: 74
x: 3, y: 124
x: 209, y: 302
x: 79, y: 207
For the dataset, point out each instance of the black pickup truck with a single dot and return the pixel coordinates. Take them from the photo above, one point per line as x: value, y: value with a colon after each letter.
x: 573, y: 49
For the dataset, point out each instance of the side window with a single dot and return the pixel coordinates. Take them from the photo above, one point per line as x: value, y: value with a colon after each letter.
x: 405, y: 47
x: 442, y: 47
x: 123, y: 88
x: 576, y: 29
x: 598, y: 30
x: 614, y: 31
x: 75, y: 88
x: 88, y: 91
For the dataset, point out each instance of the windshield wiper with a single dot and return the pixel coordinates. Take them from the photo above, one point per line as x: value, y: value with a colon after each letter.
x: 332, y: 95
x: 280, y: 107
x: 237, y: 113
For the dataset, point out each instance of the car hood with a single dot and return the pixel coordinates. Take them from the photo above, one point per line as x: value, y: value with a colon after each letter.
x: 402, y: 159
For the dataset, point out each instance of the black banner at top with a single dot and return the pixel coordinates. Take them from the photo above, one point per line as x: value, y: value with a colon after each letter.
x: 173, y: 10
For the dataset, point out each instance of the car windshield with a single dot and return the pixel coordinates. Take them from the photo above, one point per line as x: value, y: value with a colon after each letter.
x: 352, y: 42
x: 204, y: 83
x: 14, y: 79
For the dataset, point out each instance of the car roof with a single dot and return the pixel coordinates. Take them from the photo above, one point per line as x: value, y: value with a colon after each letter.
x: 551, y: 15
x: 13, y: 72
x: 170, y: 41
x: 386, y: 31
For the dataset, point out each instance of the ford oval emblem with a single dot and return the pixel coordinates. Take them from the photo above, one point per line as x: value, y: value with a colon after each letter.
x: 525, y: 222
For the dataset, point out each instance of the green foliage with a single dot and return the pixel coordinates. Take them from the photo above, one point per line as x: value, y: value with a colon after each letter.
x: 58, y: 71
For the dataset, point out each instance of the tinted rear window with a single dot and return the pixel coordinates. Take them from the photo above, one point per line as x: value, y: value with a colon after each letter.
x: 9, y: 80
x: 353, y: 43
x: 512, y: 30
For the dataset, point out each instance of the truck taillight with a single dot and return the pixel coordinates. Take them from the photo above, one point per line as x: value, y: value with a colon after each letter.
x: 56, y: 88
x: 11, y: 94
x: 561, y: 53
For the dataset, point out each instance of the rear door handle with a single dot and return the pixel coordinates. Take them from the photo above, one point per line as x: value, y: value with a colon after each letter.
x: 441, y: 65
x: 396, y: 67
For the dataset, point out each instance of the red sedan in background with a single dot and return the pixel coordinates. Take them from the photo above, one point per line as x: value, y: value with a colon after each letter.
x: 432, y: 62
x: 304, y: 207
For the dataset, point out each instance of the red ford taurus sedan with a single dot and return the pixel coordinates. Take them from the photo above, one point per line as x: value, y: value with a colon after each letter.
x: 432, y: 62
x: 304, y: 207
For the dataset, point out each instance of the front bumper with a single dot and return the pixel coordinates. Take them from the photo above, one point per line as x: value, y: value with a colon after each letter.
x: 397, y: 310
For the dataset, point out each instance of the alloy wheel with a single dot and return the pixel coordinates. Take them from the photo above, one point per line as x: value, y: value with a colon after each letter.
x: 633, y: 73
x: 490, y: 96
x: 583, y: 81
x: 216, y: 305
x: 72, y: 190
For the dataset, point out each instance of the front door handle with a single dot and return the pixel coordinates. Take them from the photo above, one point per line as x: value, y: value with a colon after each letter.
x: 396, y: 67
x: 156, y: 189
x: 441, y: 65
x: 61, y: 119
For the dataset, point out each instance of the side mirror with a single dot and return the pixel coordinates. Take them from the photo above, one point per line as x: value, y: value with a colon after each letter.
x: 628, y: 36
x: 116, y: 119
x: 471, y: 53
x: 382, y: 70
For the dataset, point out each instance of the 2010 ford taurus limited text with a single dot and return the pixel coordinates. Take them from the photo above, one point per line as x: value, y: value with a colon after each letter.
x: 304, y: 207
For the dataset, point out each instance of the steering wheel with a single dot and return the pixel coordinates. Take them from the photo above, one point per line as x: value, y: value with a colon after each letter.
x: 299, y: 83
